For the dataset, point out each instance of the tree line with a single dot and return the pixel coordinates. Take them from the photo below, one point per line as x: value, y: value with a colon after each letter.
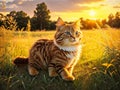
x: 113, y: 21
x: 18, y: 20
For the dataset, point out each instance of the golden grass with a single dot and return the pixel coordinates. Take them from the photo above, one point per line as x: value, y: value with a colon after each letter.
x: 94, y: 42
x: 91, y: 68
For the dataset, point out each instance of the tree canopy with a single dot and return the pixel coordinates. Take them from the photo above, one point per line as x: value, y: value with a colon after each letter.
x: 41, y: 17
x: 20, y: 17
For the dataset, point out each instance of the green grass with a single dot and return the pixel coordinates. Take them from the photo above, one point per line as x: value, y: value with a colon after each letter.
x: 97, y: 69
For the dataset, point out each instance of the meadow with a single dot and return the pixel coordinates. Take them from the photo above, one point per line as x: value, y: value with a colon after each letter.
x: 97, y: 69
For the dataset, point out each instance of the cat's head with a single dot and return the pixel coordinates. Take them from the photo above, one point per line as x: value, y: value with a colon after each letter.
x: 68, y: 34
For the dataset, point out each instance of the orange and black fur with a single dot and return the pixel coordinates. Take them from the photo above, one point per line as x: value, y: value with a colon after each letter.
x: 59, y: 56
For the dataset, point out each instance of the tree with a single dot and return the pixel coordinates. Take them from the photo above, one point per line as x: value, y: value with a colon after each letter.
x: 52, y: 25
x: 12, y: 13
x: 110, y: 19
x: 21, y: 19
x: 28, y: 28
x: 34, y: 24
x: 114, y: 20
x: 117, y: 20
x: 41, y: 14
x: 117, y: 15
x: 2, y: 18
x: 10, y: 23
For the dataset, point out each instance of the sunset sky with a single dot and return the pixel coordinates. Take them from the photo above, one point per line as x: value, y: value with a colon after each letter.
x: 69, y: 10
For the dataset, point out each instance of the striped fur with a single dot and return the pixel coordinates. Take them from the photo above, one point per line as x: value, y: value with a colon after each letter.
x: 60, y: 55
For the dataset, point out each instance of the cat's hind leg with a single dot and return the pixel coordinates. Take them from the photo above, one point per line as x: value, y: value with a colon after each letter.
x: 52, y: 70
x: 32, y: 71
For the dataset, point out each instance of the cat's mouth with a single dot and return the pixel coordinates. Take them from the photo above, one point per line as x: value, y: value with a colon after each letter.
x: 74, y: 40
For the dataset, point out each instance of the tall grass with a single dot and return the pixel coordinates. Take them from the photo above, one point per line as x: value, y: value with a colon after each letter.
x: 97, y: 69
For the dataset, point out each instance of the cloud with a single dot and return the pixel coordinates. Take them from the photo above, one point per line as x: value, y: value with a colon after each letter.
x: 102, y: 5
x: 68, y: 5
x: 27, y: 6
x: 85, y: 1
x: 13, y: 6
x: 116, y: 6
x: 2, y: 6
x: 54, y: 5
x: 87, y: 6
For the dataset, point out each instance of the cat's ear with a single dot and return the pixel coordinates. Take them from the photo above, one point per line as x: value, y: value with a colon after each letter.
x: 77, y: 24
x: 60, y: 22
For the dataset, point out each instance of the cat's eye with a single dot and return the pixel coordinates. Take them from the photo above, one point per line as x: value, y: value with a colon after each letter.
x: 77, y: 33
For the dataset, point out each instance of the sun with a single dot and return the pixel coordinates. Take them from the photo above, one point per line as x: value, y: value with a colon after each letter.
x: 92, y: 13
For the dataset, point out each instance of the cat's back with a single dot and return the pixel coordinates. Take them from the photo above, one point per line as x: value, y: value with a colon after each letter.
x: 44, y: 45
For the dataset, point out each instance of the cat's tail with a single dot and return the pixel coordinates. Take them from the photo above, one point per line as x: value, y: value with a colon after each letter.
x: 20, y: 61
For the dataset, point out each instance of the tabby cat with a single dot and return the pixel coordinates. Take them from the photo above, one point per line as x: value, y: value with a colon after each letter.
x: 58, y: 56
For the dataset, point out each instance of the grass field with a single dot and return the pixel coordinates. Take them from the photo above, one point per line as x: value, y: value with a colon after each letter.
x: 97, y: 69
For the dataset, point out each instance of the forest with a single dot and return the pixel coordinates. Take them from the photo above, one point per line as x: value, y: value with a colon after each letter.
x: 41, y: 20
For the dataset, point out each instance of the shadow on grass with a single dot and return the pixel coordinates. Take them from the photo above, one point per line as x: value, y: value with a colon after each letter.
x: 87, y: 78
x: 21, y: 80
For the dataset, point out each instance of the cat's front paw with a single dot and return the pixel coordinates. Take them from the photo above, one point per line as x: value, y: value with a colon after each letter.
x: 69, y: 78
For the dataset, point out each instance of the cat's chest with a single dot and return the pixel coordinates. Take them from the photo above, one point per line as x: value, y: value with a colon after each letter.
x: 72, y: 57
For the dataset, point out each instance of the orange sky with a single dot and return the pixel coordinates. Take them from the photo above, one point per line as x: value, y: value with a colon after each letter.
x: 69, y: 10
x: 96, y: 10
